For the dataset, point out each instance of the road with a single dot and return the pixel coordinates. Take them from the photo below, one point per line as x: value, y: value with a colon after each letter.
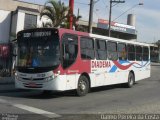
x: 143, y: 98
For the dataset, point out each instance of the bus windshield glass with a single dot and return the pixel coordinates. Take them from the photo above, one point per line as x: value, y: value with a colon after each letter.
x: 38, y: 49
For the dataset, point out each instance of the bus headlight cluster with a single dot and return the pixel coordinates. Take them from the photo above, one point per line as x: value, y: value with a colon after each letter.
x: 57, y: 74
x: 49, y: 78
x: 16, y: 77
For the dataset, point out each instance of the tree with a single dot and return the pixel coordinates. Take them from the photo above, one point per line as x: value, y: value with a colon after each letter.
x: 65, y: 24
x: 57, y: 13
x: 75, y: 21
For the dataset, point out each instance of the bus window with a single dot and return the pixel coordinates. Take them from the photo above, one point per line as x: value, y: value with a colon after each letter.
x: 69, y: 49
x: 122, y: 51
x: 145, y: 53
x: 112, y: 50
x: 87, y: 48
x: 131, y: 52
x: 101, y: 50
x: 138, y: 53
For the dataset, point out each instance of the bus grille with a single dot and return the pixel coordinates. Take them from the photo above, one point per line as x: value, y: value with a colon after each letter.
x: 35, y: 79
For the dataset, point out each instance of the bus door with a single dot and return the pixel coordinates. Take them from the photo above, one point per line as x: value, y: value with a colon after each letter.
x: 69, y: 53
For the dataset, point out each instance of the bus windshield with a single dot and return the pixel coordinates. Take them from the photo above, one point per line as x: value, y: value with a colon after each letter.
x: 38, y: 50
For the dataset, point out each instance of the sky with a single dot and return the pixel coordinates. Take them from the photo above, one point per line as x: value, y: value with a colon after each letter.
x: 147, y: 15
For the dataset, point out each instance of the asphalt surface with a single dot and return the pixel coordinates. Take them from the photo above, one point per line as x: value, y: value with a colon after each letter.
x: 142, y: 99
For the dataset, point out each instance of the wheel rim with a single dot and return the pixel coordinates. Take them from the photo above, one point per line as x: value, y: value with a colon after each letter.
x: 131, y: 80
x: 82, y: 86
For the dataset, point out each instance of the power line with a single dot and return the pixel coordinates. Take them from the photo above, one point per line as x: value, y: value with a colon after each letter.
x: 78, y: 2
x: 82, y: 3
x: 96, y: 13
x: 105, y: 4
x: 127, y: 10
x: 110, y: 13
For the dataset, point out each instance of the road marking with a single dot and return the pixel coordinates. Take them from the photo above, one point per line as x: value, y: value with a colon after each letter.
x: 32, y: 109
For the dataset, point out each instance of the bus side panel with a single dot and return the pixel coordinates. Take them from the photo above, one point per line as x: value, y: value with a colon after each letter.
x: 72, y: 81
x: 106, y: 73
x: 115, y: 75
x: 143, y: 71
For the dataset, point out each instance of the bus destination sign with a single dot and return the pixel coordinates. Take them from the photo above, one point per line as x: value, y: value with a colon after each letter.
x: 37, y: 34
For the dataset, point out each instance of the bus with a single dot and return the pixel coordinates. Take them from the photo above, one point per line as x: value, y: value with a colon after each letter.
x: 60, y: 59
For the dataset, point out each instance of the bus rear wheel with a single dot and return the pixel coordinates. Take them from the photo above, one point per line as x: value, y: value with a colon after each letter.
x: 83, y: 86
x: 131, y: 80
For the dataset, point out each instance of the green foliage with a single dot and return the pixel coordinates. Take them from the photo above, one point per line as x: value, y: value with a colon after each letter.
x: 58, y: 15
x: 56, y: 12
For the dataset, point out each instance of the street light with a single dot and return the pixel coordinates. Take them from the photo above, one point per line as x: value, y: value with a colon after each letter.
x: 127, y: 11
x: 110, y: 13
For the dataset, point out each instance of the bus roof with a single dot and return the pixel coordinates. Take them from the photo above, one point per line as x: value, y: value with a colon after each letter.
x: 102, y: 37
x: 64, y: 30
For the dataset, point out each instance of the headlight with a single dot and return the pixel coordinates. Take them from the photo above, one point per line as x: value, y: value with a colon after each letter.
x: 57, y: 74
x: 16, y: 77
x: 49, y: 79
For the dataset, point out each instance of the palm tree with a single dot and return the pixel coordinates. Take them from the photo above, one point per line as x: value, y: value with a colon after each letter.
x: 57, y: 13
x: 75, y: 21
x: 65, y: 24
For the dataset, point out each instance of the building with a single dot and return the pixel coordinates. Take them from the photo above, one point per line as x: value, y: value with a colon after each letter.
x: 118, y: 30
x: 15, y: 16
x: 154, y: 53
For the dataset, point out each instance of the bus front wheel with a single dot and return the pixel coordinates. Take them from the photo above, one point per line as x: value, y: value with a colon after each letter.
x: 83, y: 86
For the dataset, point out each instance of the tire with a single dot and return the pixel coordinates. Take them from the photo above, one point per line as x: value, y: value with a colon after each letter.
x: 131, y: 80
x: 83, y: 86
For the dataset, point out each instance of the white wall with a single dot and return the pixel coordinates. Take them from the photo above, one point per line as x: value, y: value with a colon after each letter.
x: 20, y: 21
x: 5, y: 19
x: 14, y: 24
x: 17, y: 24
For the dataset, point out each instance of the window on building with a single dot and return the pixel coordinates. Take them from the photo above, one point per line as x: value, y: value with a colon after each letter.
x: 112, y: 50
x: 122, y: 52
x: 87, y: 48
x: 138, y: 53
x: 30, y: 21
x: 145, y: 53
x: 131, y: 52
x: 69, y: 49
x: 101, y: 50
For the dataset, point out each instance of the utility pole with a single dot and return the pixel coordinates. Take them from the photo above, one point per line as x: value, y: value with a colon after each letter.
x: 71, y: 7
x: 110, y: 13
x: 91, y: 16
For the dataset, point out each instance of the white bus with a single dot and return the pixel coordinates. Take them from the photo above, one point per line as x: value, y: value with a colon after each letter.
x: 62, y: 59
